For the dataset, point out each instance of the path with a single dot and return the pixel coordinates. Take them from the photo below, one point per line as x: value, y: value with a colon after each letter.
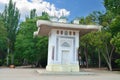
x: 32, y: 74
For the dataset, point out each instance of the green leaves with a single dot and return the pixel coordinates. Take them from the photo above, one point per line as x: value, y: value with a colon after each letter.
x: 116, y: 42
x: 24, y: 39
x: 101, y: 42
x: 96, y: 39
x: 113, y: 6
x: 34, y: 50
x: 115, y: 25
x: 11, y: 19
x: 93, y: 18
x: 3, y: 35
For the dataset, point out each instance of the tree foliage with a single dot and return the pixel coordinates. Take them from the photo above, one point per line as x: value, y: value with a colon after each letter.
x: 115, y: 25
x: 101, y: 42
x: 33, y: 13
x: 116, y: 42
x: 3, y: 38
x: 32, y: 50
x: 11, y: 20
x: 3, y: 35
x: 106, y: 19
x: 113, y: 6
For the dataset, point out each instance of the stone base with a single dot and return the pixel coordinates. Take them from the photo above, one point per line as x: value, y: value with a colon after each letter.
x: 63, y: 68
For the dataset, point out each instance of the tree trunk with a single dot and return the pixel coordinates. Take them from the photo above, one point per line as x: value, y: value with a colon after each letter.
x: 86, y: 57
x: 108, y: 61
x: 8, y: 51
x: 109, y: 56
x: 99, y: 58
x: 110, y: 66
x: 79, y: 64
x: 12, y: 58
x: 79, y: 57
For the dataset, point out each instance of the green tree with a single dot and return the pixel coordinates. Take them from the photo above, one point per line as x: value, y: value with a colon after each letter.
x: 116, y: 42
x: 3, y: 37
x: 33, y: 13
x: 11, y: 18
x: 85, y: 42
x: 2, y: 34
x: 115, y: 25
x: 101, y: 42
x: 105, y: 47
x: 92, y: 18
x: 106, y: 19
x: 32, y: 50
x: 44, y: 16
x: 86, y: 20
x: 113, y: 6
x: 90, y: 41
x: 112, y: 15
x: 82, y: 20
x: 95, y: 42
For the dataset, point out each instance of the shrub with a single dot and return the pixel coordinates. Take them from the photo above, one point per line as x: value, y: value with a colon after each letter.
x: 0, y: 62
x: 118, y: 62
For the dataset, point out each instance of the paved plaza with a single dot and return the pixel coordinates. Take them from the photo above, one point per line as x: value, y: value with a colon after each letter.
x: 33, y: 74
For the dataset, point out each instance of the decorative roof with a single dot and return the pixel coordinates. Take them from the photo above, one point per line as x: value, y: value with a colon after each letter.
x: 44, y: 27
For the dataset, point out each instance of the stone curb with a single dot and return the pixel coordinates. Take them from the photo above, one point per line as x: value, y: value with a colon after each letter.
x: 64, y: 73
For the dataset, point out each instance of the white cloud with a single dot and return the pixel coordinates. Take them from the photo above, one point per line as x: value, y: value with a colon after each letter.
x: 40, y: 5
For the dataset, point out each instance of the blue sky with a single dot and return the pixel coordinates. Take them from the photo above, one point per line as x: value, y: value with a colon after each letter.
x: 79, y: 8
x: 69, y: 8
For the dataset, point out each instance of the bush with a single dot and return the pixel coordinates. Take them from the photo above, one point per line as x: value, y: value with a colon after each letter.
x: 0, y: 62
x: 17, y: 63
x: 118, y: 62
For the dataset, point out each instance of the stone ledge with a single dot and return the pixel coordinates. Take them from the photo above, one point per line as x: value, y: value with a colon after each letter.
x: 44, y: 72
